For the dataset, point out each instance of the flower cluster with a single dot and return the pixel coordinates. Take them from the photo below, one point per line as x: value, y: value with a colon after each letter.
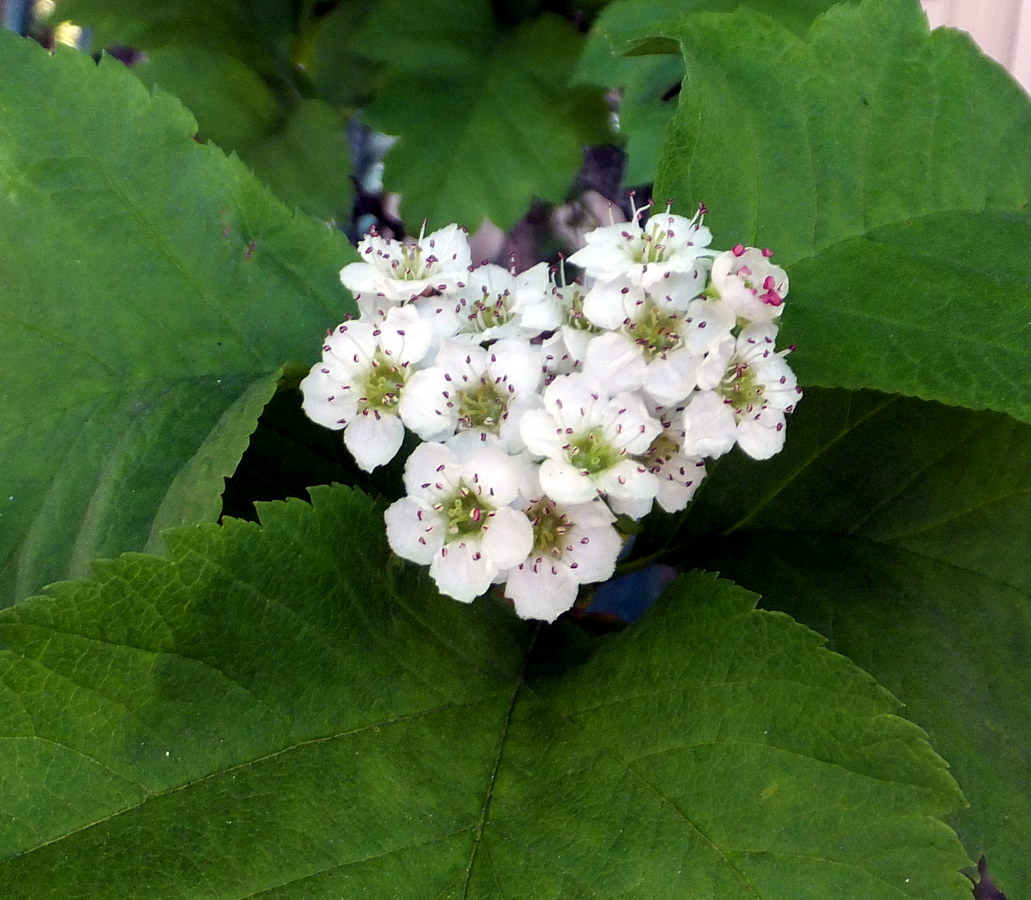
x: 547, y: 408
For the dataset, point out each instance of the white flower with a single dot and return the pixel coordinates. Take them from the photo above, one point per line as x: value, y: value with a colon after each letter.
x: 749, y: 405
x: 456, y: 516
x: 751, y: 286
x: 679, y: 474
x: 472, y: 388
x: 397, y: 271
x: 357, y: 386
x: 494, y: 303
x: 572, y: 545
x: 667, y: 247
x: 665, y: 344
x: 588, y: 439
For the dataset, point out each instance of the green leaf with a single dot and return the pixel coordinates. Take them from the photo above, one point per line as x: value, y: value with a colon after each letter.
x: 256, y: 32
x: 297, y: 148
x: 649, y: 83
x: 284, y: 710
x: 152, y: 290
x: 308, y: 162
x: 900, y: 530
x: 233, y: 105
x: 888, y: 168
x: 340, y: 71
x: 484, y: 114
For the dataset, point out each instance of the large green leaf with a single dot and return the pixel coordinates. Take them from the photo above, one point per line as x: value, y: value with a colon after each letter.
x: 282, y: 710
x: 900, y: 529
x: 649, y: 83
x: 151, y: 291
x: 485, y: 116
x: 887, y: 166
x: 257, y: 32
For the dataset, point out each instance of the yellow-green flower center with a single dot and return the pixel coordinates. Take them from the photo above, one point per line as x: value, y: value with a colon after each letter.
x: 466, y: 514
x: 740, y: 387
x: 482, y: 406
x: 489, y: 312
x: 549, y: 528
x: 383, y: 384
x: 657, y: 331
x: 662, y: 450
x: 590, y: 452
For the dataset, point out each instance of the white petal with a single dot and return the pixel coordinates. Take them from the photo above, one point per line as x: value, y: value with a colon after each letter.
x: 541, y: 434
x: 492, y: 473
x: 615, y: 361
x: 633, y: 507
x: 462, y: 571
x: 413, y: 532
x: 540, y: 593
x: 326, y: 400
x: 762, y: 436
x: 671, y: 378
x: 595, y: 551
x: 709, y: 426
x: 374, y: 439
x: 432, y: 472
x: 517, y: 363
x: 628, y: 479
x: 564, y: 483
x: 507, y: 537
x: 423, y: 407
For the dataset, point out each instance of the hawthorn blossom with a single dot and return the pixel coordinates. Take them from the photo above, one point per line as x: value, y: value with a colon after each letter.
x: 473, y: 388
x: 360, y: 380
x: 457, y: 517
x: 398, y: 271
x: 679, y: 474
x: 588, y: 440
x: 749, y: 284
x: 495, y: 303
x: 749, y: 405
x: 565, y: 349
x: 573, y: 544
x: 668, y: 248
x: 663, y: 345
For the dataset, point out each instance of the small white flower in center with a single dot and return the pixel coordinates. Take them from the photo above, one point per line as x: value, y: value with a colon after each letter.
x: 668, y: 247
x: 572, y: 545
x: 472, y: 388
x: 589, y: 440
x: 360, y: 381
x: 456, y: 516
x: 749, y: 405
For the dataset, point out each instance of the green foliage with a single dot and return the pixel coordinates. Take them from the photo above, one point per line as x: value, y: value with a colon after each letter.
x: 270, y: 687
x: 886, y: 167
x: 650, y: 83
x: 232, y: 64
x: 484, y: 113
x: 298, y: 149
x: 479, y: 97
x: 151, y: 292
x: 285, y: 708
x: 914, y: 563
